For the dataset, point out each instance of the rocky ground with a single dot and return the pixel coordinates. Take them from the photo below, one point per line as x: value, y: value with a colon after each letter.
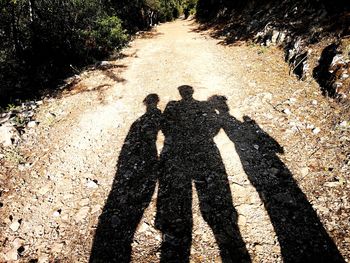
x: 286, y: 154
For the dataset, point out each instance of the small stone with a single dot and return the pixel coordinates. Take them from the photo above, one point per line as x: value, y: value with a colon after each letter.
x: 304, y: 171
x: 84, y: 202
x: 43, y: 190
x: 17, y: 242
x: 259, y: 248
x: 12, y: 255
x: 82, y: 214
x: 314, y: 102
x: 57, y: 213
x: 44, y: 258
x: 31, y: 124
x: 256, y: 147
x: 57, y: 248
x: 242, y: 220
x: 7, y: 134
x: 310, y: 126
x: 343, y: 124
x: 275, y: 35
x: 287, y: 111
x: 22, y: 167
x: 144, y: 227
x: 316, y: 130
x: 15, y: 226
x: 91, y: 183
x: 95, y: 209
x: 332, y: 184
x: 292, y: 100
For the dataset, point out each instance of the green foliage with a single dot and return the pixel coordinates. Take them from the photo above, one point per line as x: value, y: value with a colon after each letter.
x: 108, y: 34
x: 189, y: 7
x: 42, y: 40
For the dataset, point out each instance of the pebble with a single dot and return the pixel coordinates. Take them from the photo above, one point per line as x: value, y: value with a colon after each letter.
x: 44, y: 258
x: 91, y: 184
x: 310, y: 126
x: 12, y: 255
x: 292, y: 100
x: 57, y: 213
x: 343, y: 124
x: 15, y: 226
x: 7, y: 133
x: 104, y: 63
x: 332, y: 184
x: 57, y: 248
x: 96, y: 208
x: 304, y: 171
x: 82, y: 214
x: 242, y: 220
x: 287, y: 111
x: 144, y: 227
x: 316, y: 130
x: 31, y: 124
x: 43, y: 190
x: 84, y: 202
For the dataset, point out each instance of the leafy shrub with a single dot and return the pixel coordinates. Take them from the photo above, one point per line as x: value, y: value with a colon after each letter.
x: 108, y: 34
x: 41, y: 39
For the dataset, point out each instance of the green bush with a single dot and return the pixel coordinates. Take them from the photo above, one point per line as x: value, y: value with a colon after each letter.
x: 108, y: 34
x: 42, y: 40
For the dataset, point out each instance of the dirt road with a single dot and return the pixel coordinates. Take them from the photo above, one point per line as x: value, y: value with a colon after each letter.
x: 266, y: 144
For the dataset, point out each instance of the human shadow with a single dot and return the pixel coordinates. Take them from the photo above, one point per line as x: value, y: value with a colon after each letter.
x: 300, y: 233
x: 190, y: 155
x: 132, y: 188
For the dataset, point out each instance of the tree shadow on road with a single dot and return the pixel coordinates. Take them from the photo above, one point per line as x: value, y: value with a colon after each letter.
x: 300, y: 233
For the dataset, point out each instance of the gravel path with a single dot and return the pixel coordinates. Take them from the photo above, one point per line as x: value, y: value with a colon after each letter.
x: 52, y: 206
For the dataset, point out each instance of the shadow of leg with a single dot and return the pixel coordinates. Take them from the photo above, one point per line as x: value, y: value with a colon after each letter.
x: 174, y: 216
x: 117, y: 224
x: 300, y: 232
x: 217, y: 209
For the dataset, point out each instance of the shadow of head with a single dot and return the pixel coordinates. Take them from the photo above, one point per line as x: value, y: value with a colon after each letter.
x: 219, y: 103
x: 151, y: 101
x: 186, y: 92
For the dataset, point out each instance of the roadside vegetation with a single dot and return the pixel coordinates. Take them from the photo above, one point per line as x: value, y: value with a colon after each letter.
x: 44, y: 41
